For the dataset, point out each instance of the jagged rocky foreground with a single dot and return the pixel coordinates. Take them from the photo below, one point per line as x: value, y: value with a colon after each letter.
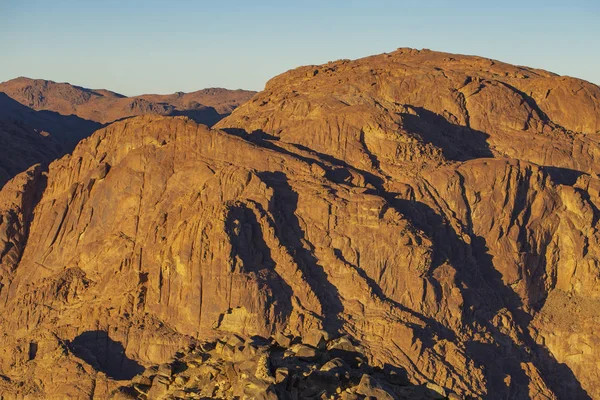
x: 441, y: 211
x: 315, y: 367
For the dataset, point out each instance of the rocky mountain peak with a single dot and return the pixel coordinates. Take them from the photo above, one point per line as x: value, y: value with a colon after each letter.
x: 428, y: 214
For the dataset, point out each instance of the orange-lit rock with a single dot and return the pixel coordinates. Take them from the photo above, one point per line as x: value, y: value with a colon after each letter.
x: 440, y: 210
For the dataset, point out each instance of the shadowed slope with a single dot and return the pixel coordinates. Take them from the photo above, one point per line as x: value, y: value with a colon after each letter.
x: 29, y: 137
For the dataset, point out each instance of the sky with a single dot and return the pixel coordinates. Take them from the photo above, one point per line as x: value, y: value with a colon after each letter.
x: 135, y: 47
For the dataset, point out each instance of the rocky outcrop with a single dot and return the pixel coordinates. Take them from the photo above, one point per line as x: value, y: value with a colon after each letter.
x: 431, y: 208
x: 257, y: 368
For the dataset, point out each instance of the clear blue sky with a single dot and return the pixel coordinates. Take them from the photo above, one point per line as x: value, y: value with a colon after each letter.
x: 136, y: 47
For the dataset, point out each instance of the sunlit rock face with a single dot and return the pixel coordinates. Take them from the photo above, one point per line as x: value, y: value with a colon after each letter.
x: 439, y: 211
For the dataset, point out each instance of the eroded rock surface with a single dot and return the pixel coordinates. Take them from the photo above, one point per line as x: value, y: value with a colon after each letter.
x: 439, y: 211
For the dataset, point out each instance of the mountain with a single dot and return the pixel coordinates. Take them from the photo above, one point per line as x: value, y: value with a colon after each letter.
x: 42, y: 120
x: 104, y: 106
x: 423, y: 224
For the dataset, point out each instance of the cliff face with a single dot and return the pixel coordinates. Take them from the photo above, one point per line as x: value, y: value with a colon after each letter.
x: 441, y: 210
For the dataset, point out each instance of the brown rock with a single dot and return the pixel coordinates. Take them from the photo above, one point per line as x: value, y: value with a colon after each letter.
x: 165, y: 370
x: 159, y: 388
x: 437, y: 389
x: 342, y: 343
x: 304, y: 352
x: 142, y: 380
x: 316, y: 338
x: 370, y: 388
x: 449, y: 225
x: 336, y: 363
x: 281, y: 375
x: 283, y: 340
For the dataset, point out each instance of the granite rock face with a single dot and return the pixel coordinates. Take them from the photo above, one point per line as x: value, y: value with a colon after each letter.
x: 434, y: 213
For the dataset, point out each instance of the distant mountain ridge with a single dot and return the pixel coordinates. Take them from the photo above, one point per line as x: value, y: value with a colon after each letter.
x: 41, y: 120
x: 106, y: 106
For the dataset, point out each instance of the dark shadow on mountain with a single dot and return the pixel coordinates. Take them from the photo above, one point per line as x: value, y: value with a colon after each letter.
x: 283, y: 206
x: 68, y: 130
x: 257, y: 136
x: 29, y: 137
x: 268, y: 141
x: 205, y: 115
x: 336, y: 170
x: 457, y: 142
x: 102, y: 93
x: 530, y: 101
x: 563, y: 176
x: 201, y: 115
x: 369, y: 177
x: 22, y: 147
x: 105, y: 355
x: 248, y: 244
x: 485, y: 293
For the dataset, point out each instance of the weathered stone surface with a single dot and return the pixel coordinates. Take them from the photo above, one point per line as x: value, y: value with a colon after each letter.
x: 409, y: 108
x: 434, y: 214
x: 304, y: 352
x: 283, y: 340
x: 316, y: 338
x: 306, y: 380
x: 369, y: 387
